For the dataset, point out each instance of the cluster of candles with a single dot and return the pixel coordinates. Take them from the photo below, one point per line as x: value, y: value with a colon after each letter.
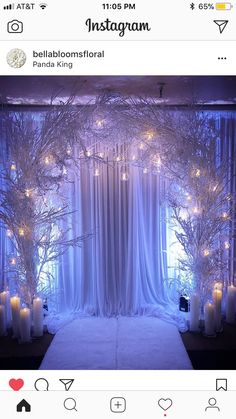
x: 23, y: 321
x: 213, y: 311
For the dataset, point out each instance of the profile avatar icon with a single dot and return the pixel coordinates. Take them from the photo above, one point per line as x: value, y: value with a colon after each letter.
x: 212, y: 404
x: 16, y: 58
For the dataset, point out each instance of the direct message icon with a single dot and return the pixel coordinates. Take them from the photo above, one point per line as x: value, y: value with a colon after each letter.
x: 221, y: 384
x: 67, y: 382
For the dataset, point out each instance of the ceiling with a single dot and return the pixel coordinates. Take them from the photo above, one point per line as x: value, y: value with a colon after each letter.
x: 215, y: 90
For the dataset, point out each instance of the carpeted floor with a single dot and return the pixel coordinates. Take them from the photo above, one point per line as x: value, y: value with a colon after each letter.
x: 117, y: 343
x: 218, y: 353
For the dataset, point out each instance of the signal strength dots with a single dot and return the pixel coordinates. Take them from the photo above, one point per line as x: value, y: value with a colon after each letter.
x: 9, y: 7
x: 43, y: 6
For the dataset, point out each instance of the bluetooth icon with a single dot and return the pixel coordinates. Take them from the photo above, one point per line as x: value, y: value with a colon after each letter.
x: 192, y: 6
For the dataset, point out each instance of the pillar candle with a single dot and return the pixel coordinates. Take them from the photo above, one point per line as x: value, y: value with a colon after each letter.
x: 25, y: 325
x: 230, y: 304
x: 5, y: 301
x: 209, y: 317
x: 3, y: 323
x: 194, y: 312
x: 38, y: 317
x: 15, y: 309
x: 217, y: 299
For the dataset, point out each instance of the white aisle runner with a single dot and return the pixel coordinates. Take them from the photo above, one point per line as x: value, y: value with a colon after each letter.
x: 117, y: 343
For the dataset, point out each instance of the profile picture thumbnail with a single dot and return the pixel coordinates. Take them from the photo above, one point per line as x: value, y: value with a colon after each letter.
x: 16, y: 58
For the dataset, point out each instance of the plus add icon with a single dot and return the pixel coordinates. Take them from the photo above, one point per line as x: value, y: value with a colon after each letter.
x: 118, y: 405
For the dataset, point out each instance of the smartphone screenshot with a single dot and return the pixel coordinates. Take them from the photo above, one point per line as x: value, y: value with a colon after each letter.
x: 118, y: 209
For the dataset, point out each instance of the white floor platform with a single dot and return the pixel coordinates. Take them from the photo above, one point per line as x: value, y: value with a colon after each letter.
x: 117, y: 343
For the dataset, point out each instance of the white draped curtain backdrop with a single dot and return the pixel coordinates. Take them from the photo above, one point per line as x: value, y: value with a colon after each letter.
x: 122, y: 268
x: 128, y: 263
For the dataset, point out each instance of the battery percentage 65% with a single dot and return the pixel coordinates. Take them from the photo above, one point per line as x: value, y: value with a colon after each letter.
x: 202, y: 6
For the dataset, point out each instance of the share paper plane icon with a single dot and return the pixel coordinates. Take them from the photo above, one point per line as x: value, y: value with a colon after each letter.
x: 67, y: 383
x: 221, y: 24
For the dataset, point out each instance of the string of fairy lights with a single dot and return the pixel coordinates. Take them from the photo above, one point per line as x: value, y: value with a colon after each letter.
x: 137, y: 153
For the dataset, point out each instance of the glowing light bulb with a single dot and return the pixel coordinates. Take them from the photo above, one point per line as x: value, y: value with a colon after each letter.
x: 21, y: 232
x: 13, y: 261
x: 145, y: 170
x: 118, y: 158
x: 196, y: 210
x: 96, y: 172
x: 124, y: 176
x: 88, y: 153
x: 206, y: 252
x: 13, y: 167
x: 48, y: 160
x: 189, y: 198
x: 225, y: 216
x: 28, y: 193
x: 226, y: 245
x: 157, y: 160
x: 149, y: 135
x: 100, y: 122
x: 196, y: 173
x: 9, y: 233
x: 218, y: 286
x: 69, y: 151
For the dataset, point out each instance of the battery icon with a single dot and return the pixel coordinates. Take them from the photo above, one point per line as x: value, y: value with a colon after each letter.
x: 224, y: 6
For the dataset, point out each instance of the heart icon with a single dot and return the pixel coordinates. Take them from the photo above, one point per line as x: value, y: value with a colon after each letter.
x: 16, y: 385
x: 165, y: 404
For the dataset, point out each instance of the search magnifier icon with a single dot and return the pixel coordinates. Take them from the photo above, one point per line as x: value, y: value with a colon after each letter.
x: 70, y: 404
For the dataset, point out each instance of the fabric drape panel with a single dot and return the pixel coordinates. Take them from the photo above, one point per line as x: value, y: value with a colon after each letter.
x: 6, y: 248
x: 227, y: 149
x: 121, y: 269
x: 124, y: 267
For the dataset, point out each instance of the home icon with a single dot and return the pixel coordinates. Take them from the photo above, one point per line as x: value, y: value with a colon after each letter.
x: 23, y: 406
